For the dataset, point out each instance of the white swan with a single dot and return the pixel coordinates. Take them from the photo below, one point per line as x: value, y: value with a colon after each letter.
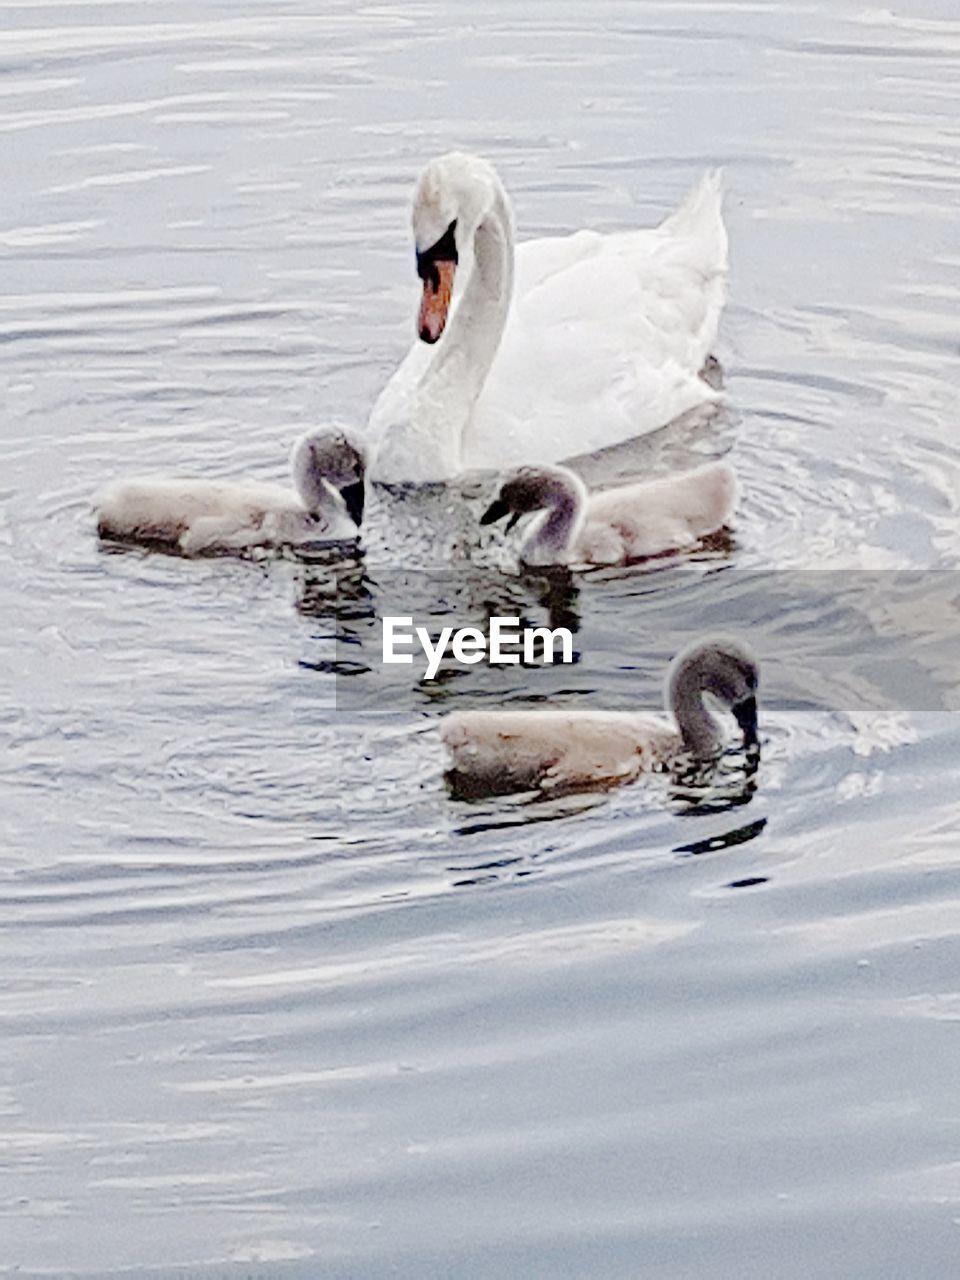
x: 495, y: 752
x: 221, y: 515
x: 617, y: 525
x: 561, y: 347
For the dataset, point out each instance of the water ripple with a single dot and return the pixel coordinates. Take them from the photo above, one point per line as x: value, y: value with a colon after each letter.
x: 270, y: 993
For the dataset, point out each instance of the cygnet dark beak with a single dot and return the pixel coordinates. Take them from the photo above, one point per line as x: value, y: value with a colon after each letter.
x: 353, y: 496
x: 496, y: 511
x: 745, y: 714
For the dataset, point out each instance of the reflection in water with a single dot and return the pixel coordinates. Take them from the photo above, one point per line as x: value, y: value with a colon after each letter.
x: 518, y: 810
x: 703, y: 786
x: 331, y: 584
x: 748, y: 882
x: 728, y: 840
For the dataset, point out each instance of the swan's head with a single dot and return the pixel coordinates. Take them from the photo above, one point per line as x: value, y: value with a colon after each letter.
x: 453, y: 194
x: 530, y: 489
x: 326, y: 460
x: 725, y: 668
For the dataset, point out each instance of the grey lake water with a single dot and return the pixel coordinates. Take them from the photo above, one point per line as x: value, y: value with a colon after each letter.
x: 273, y: 1001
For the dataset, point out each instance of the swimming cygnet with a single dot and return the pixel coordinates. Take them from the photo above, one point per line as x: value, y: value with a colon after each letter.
x: 495, y: 752
x: 326, y: 503
x: 615, y: 525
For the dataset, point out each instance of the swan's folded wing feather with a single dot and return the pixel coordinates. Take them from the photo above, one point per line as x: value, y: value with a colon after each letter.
x: 605, y: 338
x: 594, y: 358
x: 538, y: 261
x: 669, y: 278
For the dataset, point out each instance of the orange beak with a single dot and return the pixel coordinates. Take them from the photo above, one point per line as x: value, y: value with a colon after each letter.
x: 436, y: 302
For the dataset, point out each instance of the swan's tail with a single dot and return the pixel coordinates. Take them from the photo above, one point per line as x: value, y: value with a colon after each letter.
x: 697, y: 226
x: 703, y: 206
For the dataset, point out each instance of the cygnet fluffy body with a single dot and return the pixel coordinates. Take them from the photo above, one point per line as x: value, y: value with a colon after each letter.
x: 494, y: 752
x: 326, y: 503
x: 618, y: 525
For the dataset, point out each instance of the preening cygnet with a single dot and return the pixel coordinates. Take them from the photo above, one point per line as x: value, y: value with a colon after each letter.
x: 615, y: 525
x: 326, y: 503
x: 494, y: 752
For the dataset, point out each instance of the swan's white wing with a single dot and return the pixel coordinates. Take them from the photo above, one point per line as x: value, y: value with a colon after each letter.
x: 538, y: 261
x: 605, y: 338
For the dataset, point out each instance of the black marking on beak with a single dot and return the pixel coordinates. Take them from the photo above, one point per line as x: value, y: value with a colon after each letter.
x: 496, y: 511
x: 353, y: 496
x: 745, y: 714
x: 444, y: 250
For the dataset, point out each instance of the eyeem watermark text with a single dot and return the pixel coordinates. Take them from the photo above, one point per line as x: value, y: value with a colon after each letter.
x: 504, y: 644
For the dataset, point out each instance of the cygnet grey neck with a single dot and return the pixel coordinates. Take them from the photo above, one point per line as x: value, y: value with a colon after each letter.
x: 700, y: 730
x: 725, y: 668
x: 313, y: 490
x: 564, y: 498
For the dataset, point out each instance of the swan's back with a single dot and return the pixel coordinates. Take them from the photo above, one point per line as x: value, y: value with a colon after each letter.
x: 552, y: 750
x: 605, y: 338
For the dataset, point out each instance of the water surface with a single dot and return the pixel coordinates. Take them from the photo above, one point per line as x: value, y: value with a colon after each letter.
x: 272, y: 1002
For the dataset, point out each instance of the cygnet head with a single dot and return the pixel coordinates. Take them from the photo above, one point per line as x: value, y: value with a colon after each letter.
x: 453, y: 193
x: 532, y: 489
x: 326, y: 460
x: 726, y: 669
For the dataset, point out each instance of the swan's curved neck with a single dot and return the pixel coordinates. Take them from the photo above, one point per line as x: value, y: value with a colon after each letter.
x: 455, y: 376
x: 551, y: 539
x: 699, y: 729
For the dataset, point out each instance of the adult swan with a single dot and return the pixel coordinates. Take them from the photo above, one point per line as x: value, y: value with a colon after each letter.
x: 559, y: 347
